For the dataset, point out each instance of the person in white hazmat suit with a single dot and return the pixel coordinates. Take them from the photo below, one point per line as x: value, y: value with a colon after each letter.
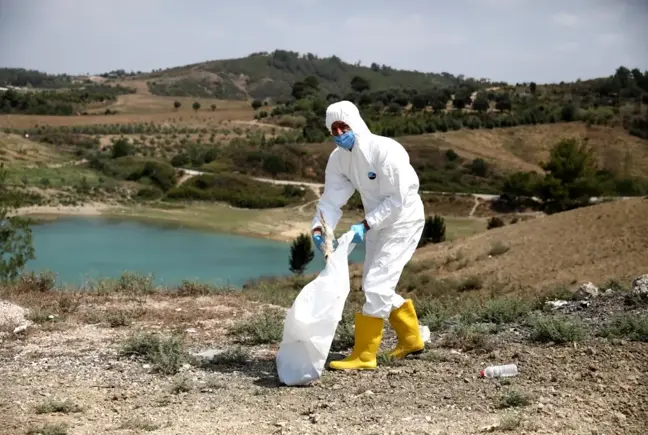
x: 379, y: 168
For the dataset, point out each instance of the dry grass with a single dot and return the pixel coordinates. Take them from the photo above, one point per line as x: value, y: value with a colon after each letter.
x: 522, y: 148
x: 139, y: 108
x: 143, y: 102
x: 202, y: 118
x: 611, y: 242
x: 448, y: 205
x: 56, y: 406
x: 16, y: 151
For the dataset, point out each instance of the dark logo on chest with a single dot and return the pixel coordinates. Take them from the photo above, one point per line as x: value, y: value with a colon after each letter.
x: 372, y: 175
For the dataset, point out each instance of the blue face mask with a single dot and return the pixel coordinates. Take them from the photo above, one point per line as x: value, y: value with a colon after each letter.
x: 345, y: 140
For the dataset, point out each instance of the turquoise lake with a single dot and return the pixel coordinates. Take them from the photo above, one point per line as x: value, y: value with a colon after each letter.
x: 82, y: 249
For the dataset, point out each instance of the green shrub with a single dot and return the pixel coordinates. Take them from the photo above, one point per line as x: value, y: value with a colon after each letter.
x: 232, y: 357
x: 514, y: 399
x: 49, y: 429
x: 467, y: 338
x: 149, y: 193
x: 266, y: 327
x: 498, y: 249
x: 472, y: 282
x: 433, y: 314
x: 504, y: 310
x: 495, y: 222
x: 165, y: 353
x: 141, y: 169
x: 344, y: 334
x: 237, y: 190
x: 53, y: 406
x: 547, y: 329
x: 632, y: 326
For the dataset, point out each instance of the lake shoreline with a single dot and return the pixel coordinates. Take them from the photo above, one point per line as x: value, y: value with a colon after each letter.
x: 275, y: 224
x: 195, y: 216
x: 84, y: 251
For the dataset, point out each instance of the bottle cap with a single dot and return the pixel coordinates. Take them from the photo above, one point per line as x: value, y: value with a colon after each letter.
x: 481, y: 373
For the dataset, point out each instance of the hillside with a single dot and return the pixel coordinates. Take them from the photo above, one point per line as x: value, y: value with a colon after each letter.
x: 17, y: 151
x: 272, y: 75
x: 522, y: 148
x: 597, y: 243
x: 461, y: 138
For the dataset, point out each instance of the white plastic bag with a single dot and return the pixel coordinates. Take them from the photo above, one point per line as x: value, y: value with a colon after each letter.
x: 311, y: 322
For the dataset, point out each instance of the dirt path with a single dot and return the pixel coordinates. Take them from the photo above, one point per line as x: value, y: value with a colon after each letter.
x: 315, y: 187
x: 474, y: 209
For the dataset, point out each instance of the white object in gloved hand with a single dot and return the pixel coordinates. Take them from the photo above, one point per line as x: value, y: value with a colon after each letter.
x: 311, y: 322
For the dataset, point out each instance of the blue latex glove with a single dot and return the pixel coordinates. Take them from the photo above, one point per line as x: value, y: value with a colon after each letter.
x: 360, y: 231
x: 318, y: 240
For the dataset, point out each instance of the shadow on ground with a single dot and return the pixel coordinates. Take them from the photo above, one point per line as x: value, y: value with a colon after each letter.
x: 262, y: 370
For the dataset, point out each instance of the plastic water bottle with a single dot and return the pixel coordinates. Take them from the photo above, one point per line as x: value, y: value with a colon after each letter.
x: 499, y: 371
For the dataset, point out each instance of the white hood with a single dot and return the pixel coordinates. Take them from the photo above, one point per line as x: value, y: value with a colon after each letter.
x: 348, y: 113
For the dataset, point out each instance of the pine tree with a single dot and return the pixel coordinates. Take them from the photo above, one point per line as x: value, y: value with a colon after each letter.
x: 434, y: 231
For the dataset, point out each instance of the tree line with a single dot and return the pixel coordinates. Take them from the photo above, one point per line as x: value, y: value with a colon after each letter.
x: 59, y: 102
x: 399, y: 112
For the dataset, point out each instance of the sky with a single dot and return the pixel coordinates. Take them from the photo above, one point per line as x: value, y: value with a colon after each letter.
x: 509, y: 40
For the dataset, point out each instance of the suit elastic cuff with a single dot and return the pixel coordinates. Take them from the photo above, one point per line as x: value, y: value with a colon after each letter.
x: 371, y: 222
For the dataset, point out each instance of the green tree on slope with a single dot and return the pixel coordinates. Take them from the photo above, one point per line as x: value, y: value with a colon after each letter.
x: 570, y: 178
x: 434, y: 231
x: 16, y: 247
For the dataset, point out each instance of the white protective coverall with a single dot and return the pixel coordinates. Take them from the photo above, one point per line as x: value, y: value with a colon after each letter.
x: 379, y: 168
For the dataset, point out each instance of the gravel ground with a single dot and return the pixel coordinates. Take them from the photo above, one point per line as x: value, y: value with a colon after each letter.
x: 597, y: 386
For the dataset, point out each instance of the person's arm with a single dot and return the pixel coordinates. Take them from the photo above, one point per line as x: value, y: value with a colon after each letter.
x: 337, y: 191
x: 397, y: 180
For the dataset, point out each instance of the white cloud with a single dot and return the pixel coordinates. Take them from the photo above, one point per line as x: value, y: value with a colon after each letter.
x: 610, y: 38
x: 501, y: 3
x: 568, y: 47
x: 401, y: 32
x: 566, y: 19
x: 305, y: 3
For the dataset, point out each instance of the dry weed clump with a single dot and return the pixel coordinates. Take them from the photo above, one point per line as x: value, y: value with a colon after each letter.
x: 504, y: 310
x: 556, y: 329
x: 166, y: 354
x: 49, y: 429
x: 118, y: 318
x: 235, y: 356
x: 498, y: 248
x: 54, y: 406
x: 468, y: 337
x: 514, y: 399
x: 632, y: 326
x: 264, y: 328
x: 139, y: 424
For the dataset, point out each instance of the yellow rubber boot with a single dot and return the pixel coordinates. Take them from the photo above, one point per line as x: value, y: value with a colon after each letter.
x: 405, y: 323
x: 367, y: 336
